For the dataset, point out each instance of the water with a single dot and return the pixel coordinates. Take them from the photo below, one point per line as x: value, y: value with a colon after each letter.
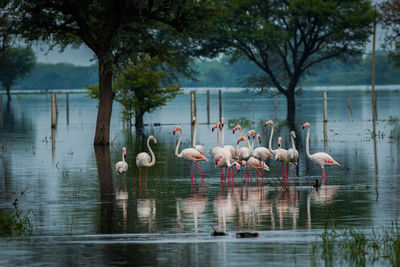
x: 84, y: 213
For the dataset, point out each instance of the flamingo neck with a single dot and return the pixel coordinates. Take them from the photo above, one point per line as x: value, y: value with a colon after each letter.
x: 153, y: 158
x: 247, y: 141
x: 308, y: 142
x: 177, y: 145
x: 218, y: 136
x: 123, y: 158
x: 223, y: 136
x: 252, y: 143
x: 293, y: 144
x: 270, y: 138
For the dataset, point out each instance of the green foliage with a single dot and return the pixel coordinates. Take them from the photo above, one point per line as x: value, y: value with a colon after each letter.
x: 359, y: 248
x: 15, y: 63
x: 139, y: 88
x: 15, y: 224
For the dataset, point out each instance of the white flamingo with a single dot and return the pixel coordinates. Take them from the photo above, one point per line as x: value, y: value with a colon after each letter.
x: 270, y: 122
x: 232, y: 149
x: 189, y: 154
x: 217, y: 148
x: 261, y: 153
x: 199, y: 148
x: 292, y: 153
x: 321, y: 158
x: 143, y: 159
x: 281, y: 155
x: 122, y: 167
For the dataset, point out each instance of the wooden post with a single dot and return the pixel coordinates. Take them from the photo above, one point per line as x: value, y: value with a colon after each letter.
x: 192, y: 114
x: 220, y: 104
x: 67, y: 106
x: 325, y: 108
x: 53, y: 111
x: 373, y: 95
x: 349, y: 102
x: 55, y: 97
x: 208, y: 106
x: 53, y: 142
x: 276, y: 104
x: 325, y: 122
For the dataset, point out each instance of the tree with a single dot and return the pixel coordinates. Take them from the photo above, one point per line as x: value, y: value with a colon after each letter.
x: 390, y: 21
x: 111, y: 29
x: 139, y: 88
x: 15, y: 63
x: 288, y: 39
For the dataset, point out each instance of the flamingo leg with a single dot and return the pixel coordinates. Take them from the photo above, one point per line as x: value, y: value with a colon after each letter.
x: 201, y: 171
x: 294, y: 170
x: 323, y: 175
x: 191, y: 173
x: 283, y: 174
x: 222, y: 174
x: 140, y: 178
x: 145, y: 181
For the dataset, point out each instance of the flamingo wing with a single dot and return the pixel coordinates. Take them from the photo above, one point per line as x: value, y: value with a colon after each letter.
x: 143, y: 159
x: 121, y: 167
x: 323, y: 159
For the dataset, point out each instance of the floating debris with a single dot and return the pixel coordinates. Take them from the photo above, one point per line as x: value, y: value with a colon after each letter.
x: 217, y: 233
x: 246, y: 235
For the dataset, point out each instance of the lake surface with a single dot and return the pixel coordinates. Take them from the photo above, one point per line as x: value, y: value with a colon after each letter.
x: 85, y: 214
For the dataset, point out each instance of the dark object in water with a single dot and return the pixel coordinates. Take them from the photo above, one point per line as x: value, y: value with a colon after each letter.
x: 316, y: 185
x: 216, y: 233
x: 246, y: 235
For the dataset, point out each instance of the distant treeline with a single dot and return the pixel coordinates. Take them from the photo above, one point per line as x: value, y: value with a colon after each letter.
x: 221, y: 73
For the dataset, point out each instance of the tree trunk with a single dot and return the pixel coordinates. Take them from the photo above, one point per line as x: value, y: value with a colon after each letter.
x: 106, y: 188
x: 139, y: 122
x: 8, y: 93
x: 102, y: 135
x: 291, y: 109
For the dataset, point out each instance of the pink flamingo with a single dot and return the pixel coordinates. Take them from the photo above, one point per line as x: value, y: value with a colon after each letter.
x: 321, y: 158
x: 281, y: 155
x: 122, y: 167
x: 270, y: 122
x: 143, y: 159
x: 232, y: 149
x: 199, y: 148
x: 244, y: 153
x: 292, y: 153
x: 217, y: 148
x: 261, y: 153
x: 189, y: 154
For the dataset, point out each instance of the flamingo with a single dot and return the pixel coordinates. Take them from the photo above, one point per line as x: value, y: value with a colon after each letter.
x: 292, y: 153
x: 261, y: 153
x: 256, y: 164
x: 189, y: 154
x: 244, y: 153
x: 143, y: 159
x: 270, y: 122
x: 321, y: 158
x: 199, y: 148
x: 122, y: 167
x: 217, y: 148
x: 224, y: 160
x: 281, y: 155
x: 232, y: 150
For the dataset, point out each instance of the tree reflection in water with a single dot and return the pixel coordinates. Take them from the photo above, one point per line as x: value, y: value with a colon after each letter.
x: 106, y: 188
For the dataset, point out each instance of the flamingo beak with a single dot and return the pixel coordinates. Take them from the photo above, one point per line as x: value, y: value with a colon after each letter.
x: 304, y: 127
x: 234, y: 130
x: 213, y: 128
x: 155, y: 141
x: 259, y: 139
x: 174, y: 131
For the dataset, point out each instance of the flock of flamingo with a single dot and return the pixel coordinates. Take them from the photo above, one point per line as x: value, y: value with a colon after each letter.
x: 228, y: 156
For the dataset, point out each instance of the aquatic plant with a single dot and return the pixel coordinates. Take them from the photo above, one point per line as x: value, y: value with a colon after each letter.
x: 357, y: 247
x: 15, y: 223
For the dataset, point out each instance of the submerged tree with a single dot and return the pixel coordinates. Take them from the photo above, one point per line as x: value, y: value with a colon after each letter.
x: 111, y: 29
x: 287, y: 39
x: 140, y: 89
x: 15, y: 63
